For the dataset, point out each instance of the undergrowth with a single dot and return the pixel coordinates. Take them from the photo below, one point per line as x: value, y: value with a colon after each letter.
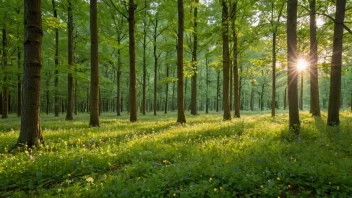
x: 254, y: 156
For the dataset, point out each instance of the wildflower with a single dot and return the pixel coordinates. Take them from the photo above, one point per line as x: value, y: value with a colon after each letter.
x: 165, y: 161
x: 289, y: 186
x: 220, y: 187
x: 210, y: 179
x: 215, y: 189
x: 78, y: 140
x: 338, y: 187
x: 227, y: 161
x: 261, y: 186
x: 329, y: 183
x: 109, y: 163
x: 278, y: 179
x: 174, y: 194
x: 294, y: 160
x: 90, y: 179
x: 69, y: 175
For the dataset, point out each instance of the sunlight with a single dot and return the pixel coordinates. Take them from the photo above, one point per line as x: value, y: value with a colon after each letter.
x: 302, y: 64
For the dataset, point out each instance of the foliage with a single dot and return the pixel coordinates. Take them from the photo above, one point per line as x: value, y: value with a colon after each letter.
x: 155, y: 157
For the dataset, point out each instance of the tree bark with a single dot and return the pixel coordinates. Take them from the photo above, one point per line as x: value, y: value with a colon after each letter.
x: 194, y: 62
x: 155, y: 66
x: 132, y: 52
x: 207, y: 84
x: 5, y: 93
x: 301, y: 94
x: 56, y: 79
x: 314, y: 85
x: 94, y: 74
x: 180, y: 76
x: 19, y: 83
x: 336, y: 64
x: 273, y: 91
x: 226, y: 62
x: 69, y: 110
x: 236, y: 79
x: 217, y: 90
x: 31, y: 134
x: 292, y: 71
x: 144, y: 60
x: 166, y: 91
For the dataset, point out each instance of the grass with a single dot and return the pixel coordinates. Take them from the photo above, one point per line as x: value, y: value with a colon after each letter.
x: 255, y: 156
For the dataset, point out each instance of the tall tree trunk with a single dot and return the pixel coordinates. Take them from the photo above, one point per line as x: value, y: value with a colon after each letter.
x: 236, y: 79
x: 31, y: 134
x: 144, y: 59
x: 207, y: 84
x: 69, y: 110
x: 285, y: 98
x: 118, y: 99
x: 166, y: 91
x: 336, y: 64
x: 314, y: 85
x: 194, y: 62
x: 94, y: 73
x: 301, y: 94
x: 47, y: 95
x: 291, y: 67
x: 19, y: 83
x: 273, y: 91
x: 251, y: 104
x: 226, y: 62
x: 56, y: 79
x: 155, y: 66
x: 5, y: 94
x: 217, y: 90
x: 181, y: 118
x: 132, y: 52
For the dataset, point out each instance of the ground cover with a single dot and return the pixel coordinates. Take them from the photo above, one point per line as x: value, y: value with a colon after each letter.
x: 254, y: 156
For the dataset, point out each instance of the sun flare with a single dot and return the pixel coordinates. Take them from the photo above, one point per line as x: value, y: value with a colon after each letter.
x: 302, y: 64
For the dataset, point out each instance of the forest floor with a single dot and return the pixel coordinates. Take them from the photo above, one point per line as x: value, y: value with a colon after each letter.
x: 254, y: 156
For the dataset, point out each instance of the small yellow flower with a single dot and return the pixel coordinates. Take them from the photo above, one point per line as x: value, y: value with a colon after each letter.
x: 278, y: 179
x: 109, y: 163
x: 338, y: 187
x: 220, y: 187
x: 261, y: 186
x: 227, y: 161
x: 165, y: 161
x: 210, y: 179
x: 215, y: 189
x: 90, y: 179
x: 69, y: 175
x: 294, y: 160
x: 289, y: 186
x: 329, y: 183
x: 78, y: 140
x: 278, y: 196
x: 174, y: 194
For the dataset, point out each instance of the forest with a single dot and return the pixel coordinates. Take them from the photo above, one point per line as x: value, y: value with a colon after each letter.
x: 186, y: 98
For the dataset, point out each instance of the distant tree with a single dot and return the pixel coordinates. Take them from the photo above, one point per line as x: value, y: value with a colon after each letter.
x: 56, y: 80
x: 31, y: 133
x: 336, y: 63
x: 5, y: 93
x: 94, y: 73
x: 292, y: 71
x: 194, y: 61
x: 132, y: 52
x: 181, y: 118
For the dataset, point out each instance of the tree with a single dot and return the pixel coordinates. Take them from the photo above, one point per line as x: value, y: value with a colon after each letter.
x: 69, y: 110
x: 31, y: 133
x: 56, y: 80
x: 292, y: 72
x: 314, y: 88
x: 336, y: 64
x: 5, y: 93
x: 226, y: 61
x: 180, y: 76
x: 94, y: 73
x: 132, y: 52
x: 236, y: 78
x: 194, y: 61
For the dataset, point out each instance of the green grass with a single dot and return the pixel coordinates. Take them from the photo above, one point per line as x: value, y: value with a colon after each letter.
x: 255, y: 156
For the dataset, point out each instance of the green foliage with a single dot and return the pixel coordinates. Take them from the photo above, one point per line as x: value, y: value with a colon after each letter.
x: 252, y: 157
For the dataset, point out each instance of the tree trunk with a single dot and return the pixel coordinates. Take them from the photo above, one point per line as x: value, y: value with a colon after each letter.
x: 336, y: 64
x: 292, y: 71
x: 5, y: 94
x: 31, y: 134
x: 166, y: 90
x: 19, y: 83
x: 207, y: 84
x: 285, y: 98
x: 226, y: 62
x: 236, y: 79
x: 314, y: 85
x: 180, y: 85
x: 251, y: 104
x: 217, y: 90
x: 69, y: 110
x: 132, y: 52
x: 47, y: 96
x: 301, y: 94
x: 118, y: 99
x: 273, y: 91
x: 155, y: 66
x: 76, y: 99
x: 194, y: 63
x: 144, y: 60
x: 94, y: 73
x: 56, y: 80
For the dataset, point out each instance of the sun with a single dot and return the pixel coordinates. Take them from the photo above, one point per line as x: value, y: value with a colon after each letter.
x: 302, y: 64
